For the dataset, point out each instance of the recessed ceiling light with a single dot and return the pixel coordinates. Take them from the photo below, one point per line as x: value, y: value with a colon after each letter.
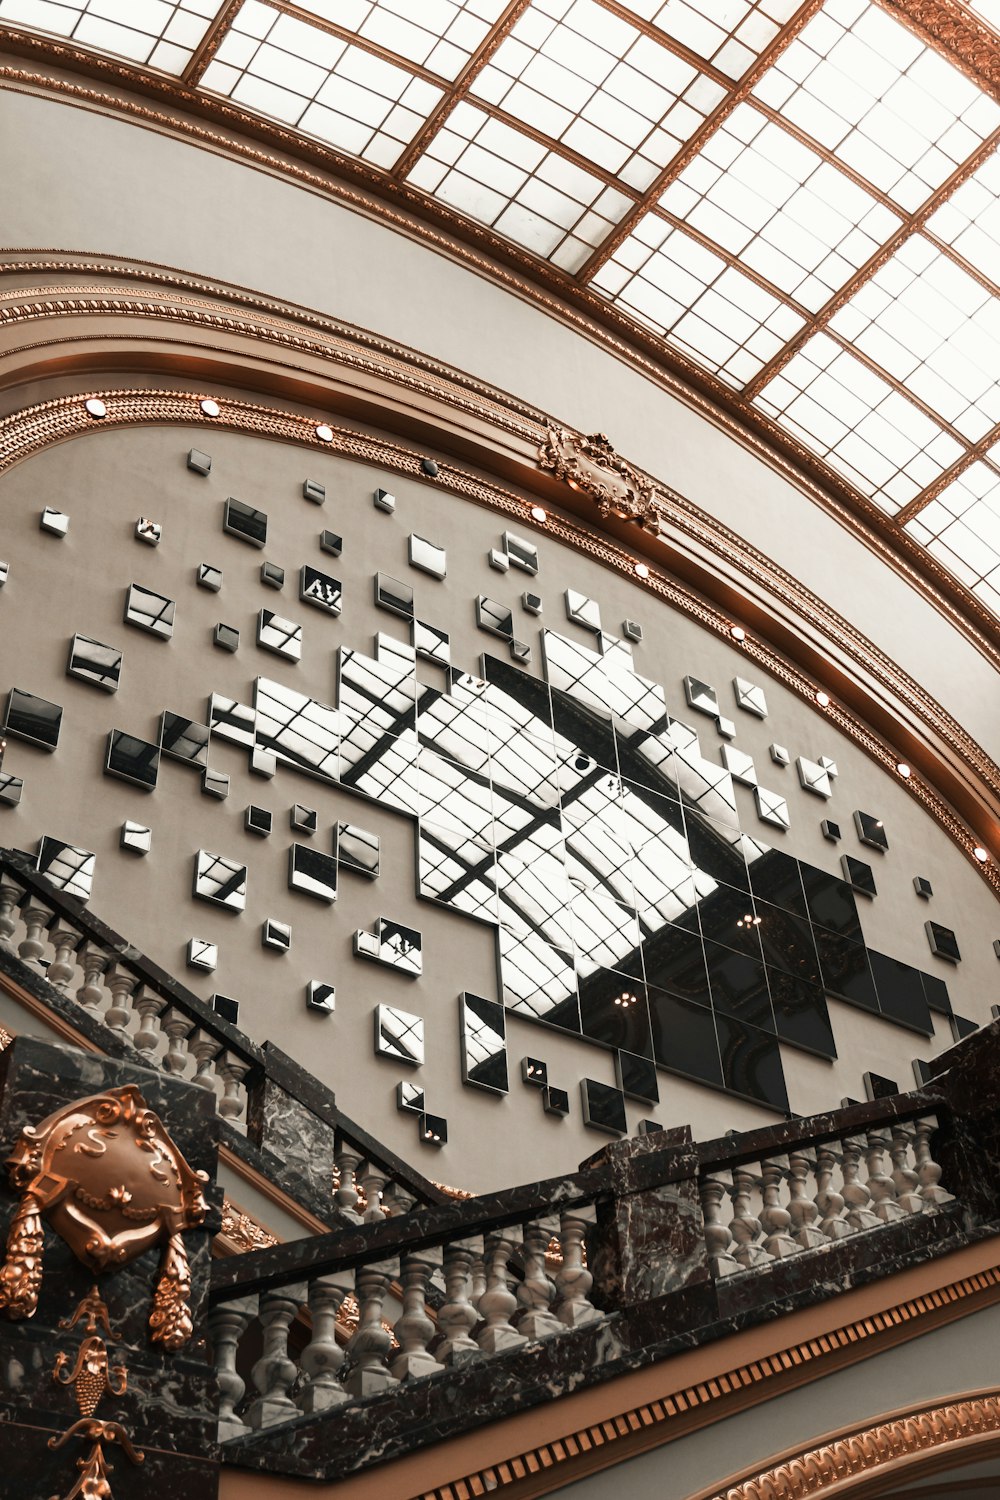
x: 737, y: 632
x: 95, y: 407
x: 981, y: 854
x: 209, y: 407
x: 324, y: 433
x: 538, y: 514
x: 641, y: 570
x: 823, y: 699
x: 903, y: 769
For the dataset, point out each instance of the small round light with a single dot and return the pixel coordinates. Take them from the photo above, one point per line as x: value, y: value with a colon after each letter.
x: 324, y: 433
x: 903, y: 769
x: 641, y: 570
x: 981, y: 854
x: 737, y: 632
x: 95, y: 407
x: 538, y: 514
x: 823, y: 699
x: 209, y: 407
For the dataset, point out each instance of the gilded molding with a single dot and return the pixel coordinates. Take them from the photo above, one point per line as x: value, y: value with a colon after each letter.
x: 6, y: 1038
x: 697, y: 1400
x: 241, y: 1232
x: 34, y: 428
x: 591, y: 465
x: 553, y: 291
x: 969, y: 42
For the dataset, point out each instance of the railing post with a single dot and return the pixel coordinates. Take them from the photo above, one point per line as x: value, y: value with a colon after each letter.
x: 227, y: 1323
x: 498, y: 1302
x: 573, y: 1279
x: 275, y: 1372
x: 323, y: 1358
x: 371, y: 1343
x: 415, y: 1330
x: 457, y: 1317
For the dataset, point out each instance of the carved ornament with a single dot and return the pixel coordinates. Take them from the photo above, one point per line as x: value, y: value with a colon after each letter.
x: 243, y: 1231
x: 591, y: 465
x: 105, y: 1174
x: 92, y: 1375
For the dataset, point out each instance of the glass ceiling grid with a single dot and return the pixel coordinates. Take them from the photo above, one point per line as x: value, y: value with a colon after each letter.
x: 159, y: 33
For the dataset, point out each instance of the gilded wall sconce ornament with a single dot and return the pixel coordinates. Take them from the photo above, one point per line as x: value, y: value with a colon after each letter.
x: 105, y: 1174
x: 91, y: 1376
x: 591, y: 465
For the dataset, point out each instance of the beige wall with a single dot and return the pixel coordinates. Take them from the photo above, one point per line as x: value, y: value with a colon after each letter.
x: 96, y: 184
x: 105, y: 480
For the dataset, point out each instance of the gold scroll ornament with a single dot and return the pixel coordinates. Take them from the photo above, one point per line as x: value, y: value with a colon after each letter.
x: 591, y: 466
x: 106, y: 1176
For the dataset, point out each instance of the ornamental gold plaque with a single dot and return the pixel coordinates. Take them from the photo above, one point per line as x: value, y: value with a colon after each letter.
x: 106, y: 1176
x: 591, y: 465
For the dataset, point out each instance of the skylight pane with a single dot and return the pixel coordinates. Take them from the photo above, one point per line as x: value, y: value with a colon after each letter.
x: 865, y: 87
x: 878, y: 440
x: 961, y: 527
x: 730, y: 35
x: 709, y: 309
x: 136, y: 29
x: 440, y: 35
x: 328, y: 88
x: 970, y: 220
x: 598, y: 86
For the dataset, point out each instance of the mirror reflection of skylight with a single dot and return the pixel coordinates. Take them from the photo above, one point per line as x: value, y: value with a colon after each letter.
x: 440, y: 35
x: 704, y: 306
x: 328, y: 88
x: 870, y: 433
x: 862, y: 85
x: 161, y: 33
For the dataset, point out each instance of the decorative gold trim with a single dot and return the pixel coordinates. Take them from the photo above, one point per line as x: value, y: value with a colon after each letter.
x: 553, y: 291
x: 241, y: 1232
x: 6, y: 1037
x: 683, y: 1403
x: 590, y: 464
x: 34, y: 428
x: 91, y: 1377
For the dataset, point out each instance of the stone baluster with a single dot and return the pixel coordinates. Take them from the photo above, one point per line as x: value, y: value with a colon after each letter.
x: 573, y: 1280
x: 227, y: 1323
x: 371, y: 1343
x: 456, y: 1316
x: 346, y: 1160
x: 37, y: 919
x: 801, y: 1208
x: 536, y: 1292
x: 177, y: 1026
x: 718, y: 1236
x: 397, y: 1200
x: 11, y: 896
x: 322, y: 1358
x: 204, y: 1049
x: 903, y: 1175
x: 94, y: 962
x: 372, y: 1179
x: 774, y: 1217
x: 147, y: 1006
x: 928, y: 1170
x: 830, y: 1203
x: 856, y: 1195
x: 880, y: 1184
x: 477, y: 1282
x: 232, y: 1070
x: 498, y: 1302
x: 415, y: 1330
x: 745, y: 1227
x: 275, y: 1372
x: 121, y: 983
x: 65, y: 940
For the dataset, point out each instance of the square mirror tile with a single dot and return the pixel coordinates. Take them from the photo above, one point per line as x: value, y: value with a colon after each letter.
x: 858, y: 875
x: 394, y: 945
x: 209, y: 577
x: 484, y: 1045
x: 637, y: 1077
x: 498, y: 560
x: 431, y: 644
x: 394, y: 596
x: 358, y: 850
x: 303, y: 819
x: 257, y: 820
x: 135, y: 837
x: 215, y: 783
x: 701, y: 696
x: 531, y: 603
x: 632, y: 630
x: 603, y: 1107
x: 150, y: 611
x: 771, y: 808
x: 923, y: 887
x: 219, y: 880
x: 739, y: 765
x: 495, y: 618
x: 399, y: 1035
x: 244, y: 521
x: 432, y: 1130
x: 70, y: 870
x: 314, y: 491
x: 410, y: 1098
x: 330, y: 542
x: 750, y: 697
x: 555, y: 1101
x: 231, y: 721
x: 534, y: 1071
x: 321, y: 996
x: 198, y: 462
x: 227, y: 1008
x: 300, y: 730
x: 263, y: 762
x: 201, y: 954
x: 312, y: 873
x: 95, y: 663
x: 870, y: 831
x: 521, y: 553
x: 132, y: 759
x: 283, y: 637
x: 780, y: 755
x: 148, y: 531
x: 320, y: 589
x: 943, y: 942
x: 11, y: 788
x: 383, y: 500
x: 55, y: 522
x: 427, y: 556
x: 226, y: 637
x: 830, y: 830
x: 582, y: 610
x: 272, y: 576
x: 276, y: 935
x: 34, y: 719
x: 4, y: 573
x: 184, y: 739
x: 813, y: 777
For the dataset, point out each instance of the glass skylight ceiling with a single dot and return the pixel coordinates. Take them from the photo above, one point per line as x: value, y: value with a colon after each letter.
x: 800, y: 202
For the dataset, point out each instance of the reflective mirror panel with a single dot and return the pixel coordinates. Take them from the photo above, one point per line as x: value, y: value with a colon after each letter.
x: 55, y: 522
x: 751, y: 1063
x: 430, y: 643
x: 410, y: 1098
x: 943, y: 942
x: 321, y: 996
x: 31, y: 718
x: 132, y: 759
x: 283, y: 637
x: 257, y: 820
x: 11, y: 788
x: 358, y: 850
x: 272, y: 576
x: 226, y: 637
x: 603, y: 1107
x: 184, y: 739
x: 750, y: 697
x: 94, y: 662
x: 870, y: 831
x: 555, y: 1101
x: 243, y: 521
x: 276, y: 935
x: 303, y: 819
x: 150, y: 611
x: 432, y: 1130
x: 637, y: 1077
x: 209, y: 577
x: 70, y: 870
x: 814, y: 778
x: 520, y: 552
x: 312, y: 873
x: 702, y: 697
x: 858, y: 875
x: 427, y: 557
x: 215, y: 783
x: 494, y: 617
x: 484, y: 1047
x: 201, y: 954
x: 398, y: 947
x: 231, y: 721
x: 136, y: 838
x: 320, y: 589
x: 582, y: 611
x: 399, y: 1035
x: 219, y: 880
x: 300, y: 730
x: 394, y: 596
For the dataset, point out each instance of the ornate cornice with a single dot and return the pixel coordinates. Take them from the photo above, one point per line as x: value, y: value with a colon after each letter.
x: 35, y: 428
x: 416, y: 214
x: 241, y: 1232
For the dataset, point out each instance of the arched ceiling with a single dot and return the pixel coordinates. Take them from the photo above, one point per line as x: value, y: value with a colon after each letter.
x: 797, y: 197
